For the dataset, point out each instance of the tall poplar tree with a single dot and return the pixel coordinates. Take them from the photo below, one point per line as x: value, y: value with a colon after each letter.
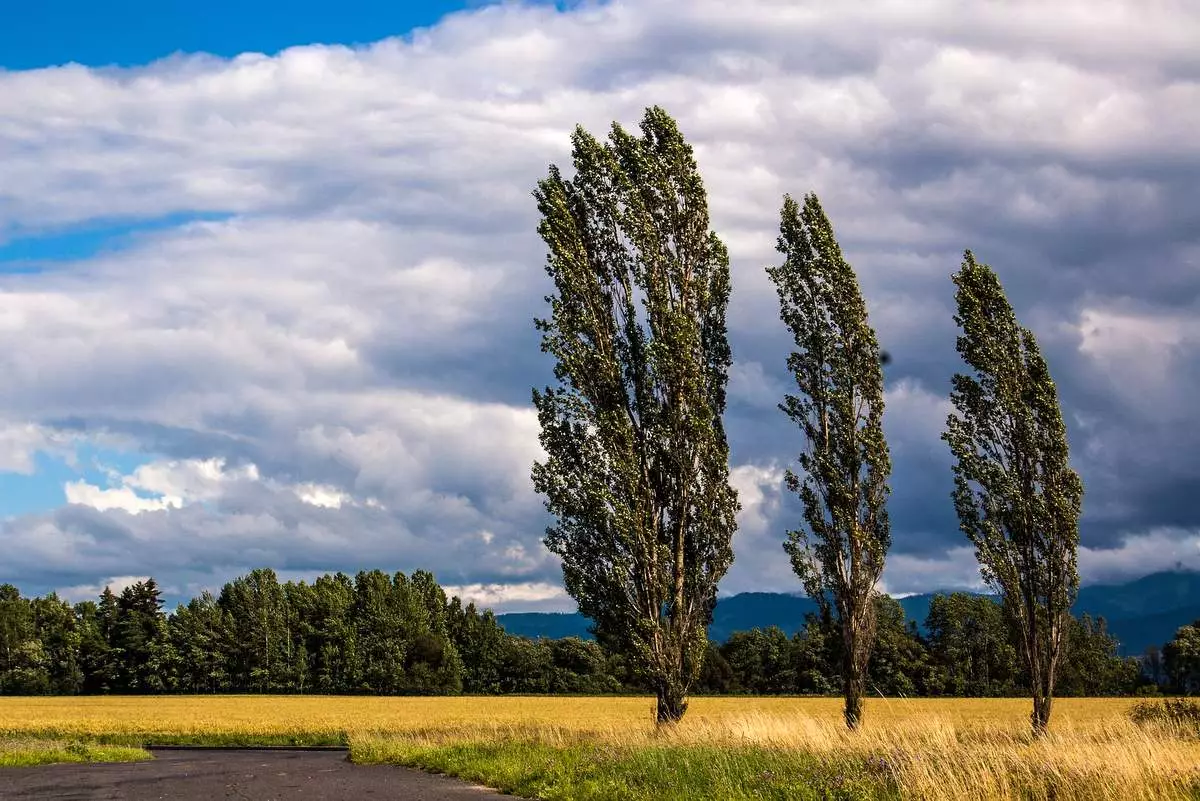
x: 637, y: 463
x: 1017, y: 498
x: 837, y: 365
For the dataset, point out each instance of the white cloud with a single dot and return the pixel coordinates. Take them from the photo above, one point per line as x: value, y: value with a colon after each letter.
x: 1139, y: 353
x: 1141, y: 553
x: 20, y: 442
x: 956, y: 569
x: 523, y: 596
x: 189, y: 480
x: 122, y: 498
x: 318, y: 495
x: 759, y: 488
x: 90, y: 592
x: 173, y: 482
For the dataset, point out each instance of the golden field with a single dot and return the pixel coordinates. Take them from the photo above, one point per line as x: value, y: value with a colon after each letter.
x: 922, y: 748
x: 282, y: 715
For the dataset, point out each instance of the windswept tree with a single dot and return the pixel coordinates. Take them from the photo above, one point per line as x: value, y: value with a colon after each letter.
x: 637, y: 465
x: 837, y: 364
x: 1017, y: 498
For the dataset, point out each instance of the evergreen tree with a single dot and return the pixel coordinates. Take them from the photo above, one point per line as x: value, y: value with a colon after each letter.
x: 637, y: 460
x: 381, y: 644
x: 297, y: 601
x: 1017, y: 498
x: 94, y: 657
x: 433, y: 663
x: 254, y: 606
x: 106, y: 675
x: 837, y: 366
x: 140, y: 639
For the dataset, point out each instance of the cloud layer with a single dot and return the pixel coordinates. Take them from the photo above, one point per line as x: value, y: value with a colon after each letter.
x: 319, y: 333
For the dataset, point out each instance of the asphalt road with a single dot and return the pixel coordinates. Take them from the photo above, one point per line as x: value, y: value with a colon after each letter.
x: 243, y: 775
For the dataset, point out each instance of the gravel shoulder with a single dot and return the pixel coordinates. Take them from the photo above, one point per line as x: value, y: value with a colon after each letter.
x: 248, y: 775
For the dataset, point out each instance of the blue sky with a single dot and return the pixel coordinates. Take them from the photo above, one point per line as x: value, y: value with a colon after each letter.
x: 276, y: 310
x: 128, y: 32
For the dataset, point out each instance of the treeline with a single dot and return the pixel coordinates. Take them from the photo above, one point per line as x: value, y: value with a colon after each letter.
x: 381, y: 634
x: 965, y: 651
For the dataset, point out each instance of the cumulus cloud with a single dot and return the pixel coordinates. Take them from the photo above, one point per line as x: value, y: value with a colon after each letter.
x: 531, y: 596
x: 338, y: 288
x: 89, y: 592
x: 123, y: 498
x: 20, y: 442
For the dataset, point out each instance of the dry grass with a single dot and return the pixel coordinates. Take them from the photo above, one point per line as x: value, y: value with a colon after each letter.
x: 928, y: 748
x: 282, y: 715
x: 958, y: 754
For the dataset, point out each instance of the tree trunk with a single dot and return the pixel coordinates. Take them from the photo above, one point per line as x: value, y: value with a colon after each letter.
x: 855, y: 658
x: 1040, y: 719
x: 672, y: 702
x: 854, y: 689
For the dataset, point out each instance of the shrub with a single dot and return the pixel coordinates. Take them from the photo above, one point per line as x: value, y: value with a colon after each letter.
x: 1177, y: 713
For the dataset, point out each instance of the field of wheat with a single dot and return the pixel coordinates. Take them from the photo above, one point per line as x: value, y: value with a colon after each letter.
x: 731, y: 747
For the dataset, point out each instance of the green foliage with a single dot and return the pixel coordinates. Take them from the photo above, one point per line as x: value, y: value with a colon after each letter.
x: 22, y: 656
x: 1093, y: 667
x: 839, y: 409
x: 1017, y: 498
x: 760, y: 662
x: 1181, y: 659
x: 900, y: 664
x: 380, y: 634
x: 637, y: 462
x: 970, y: 642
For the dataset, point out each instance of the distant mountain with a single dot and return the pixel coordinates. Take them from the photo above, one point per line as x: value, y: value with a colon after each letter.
x: 1140, y: 613
x: 545, y: 624
x: 1145, y: 611
x: 1153, y: 594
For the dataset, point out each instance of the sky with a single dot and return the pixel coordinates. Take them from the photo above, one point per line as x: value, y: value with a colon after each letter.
x: 268, y: 277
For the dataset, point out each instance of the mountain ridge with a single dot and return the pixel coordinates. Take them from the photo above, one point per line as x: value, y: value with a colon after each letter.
x: 1139, y: 613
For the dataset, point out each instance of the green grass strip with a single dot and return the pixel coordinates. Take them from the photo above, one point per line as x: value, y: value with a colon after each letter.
x: 591, y: 772
x: 29, y: 752
x: 228, y: 739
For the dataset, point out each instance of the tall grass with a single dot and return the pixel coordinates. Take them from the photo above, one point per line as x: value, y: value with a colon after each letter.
x: 798, y: 755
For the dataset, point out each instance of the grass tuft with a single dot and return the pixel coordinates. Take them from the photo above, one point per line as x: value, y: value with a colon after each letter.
x: 1179, y: 716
